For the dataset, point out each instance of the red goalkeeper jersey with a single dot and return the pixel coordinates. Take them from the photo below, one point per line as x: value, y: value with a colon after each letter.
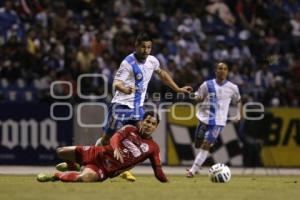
x: 135, y: 149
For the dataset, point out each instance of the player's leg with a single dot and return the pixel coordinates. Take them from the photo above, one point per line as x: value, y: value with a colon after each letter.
x: 107, y: 129
x: 200, y: 133
x: 86, y: 175
x: 200, y: 158
x: 86, y: 156
x: 92, y: 173
x: 138, y: 115
x: 210, y: 135
x: 116, y: 117
x: 69, y: 156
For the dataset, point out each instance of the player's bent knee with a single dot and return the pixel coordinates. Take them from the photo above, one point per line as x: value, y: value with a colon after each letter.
x: 60, y: 152
x: 206, y: 145
x: 88, y: 177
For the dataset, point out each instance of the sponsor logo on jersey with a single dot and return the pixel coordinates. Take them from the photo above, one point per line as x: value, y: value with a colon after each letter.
x: 144, y: 147
x: 134, y: 150
x: 212, y: 95
x: 139, y: 76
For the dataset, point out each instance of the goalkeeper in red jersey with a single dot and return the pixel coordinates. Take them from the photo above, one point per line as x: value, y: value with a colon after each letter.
x: 128, y: 147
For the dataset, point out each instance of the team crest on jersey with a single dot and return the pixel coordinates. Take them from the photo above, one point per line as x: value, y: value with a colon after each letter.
x: 144, y: 147
x: 139, y: 76
x: 212, y: 95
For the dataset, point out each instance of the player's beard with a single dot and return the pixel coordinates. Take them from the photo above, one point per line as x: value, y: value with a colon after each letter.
x: 142, y: 57
x: 145, y: 56
x: 144, y: 133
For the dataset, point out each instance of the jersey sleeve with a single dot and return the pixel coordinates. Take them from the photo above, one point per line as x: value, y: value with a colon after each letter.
x: 202, y: 91
x: 236, y: 97
x: 156, y: 165
x: 156, y: 64
x: 119, y: 135
x: 123, y: 72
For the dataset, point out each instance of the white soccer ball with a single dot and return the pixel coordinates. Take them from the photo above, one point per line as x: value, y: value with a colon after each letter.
x: 219, y: 173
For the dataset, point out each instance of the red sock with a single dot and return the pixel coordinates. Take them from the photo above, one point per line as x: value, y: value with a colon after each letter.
x: 72, y: 166
x: 67, y: 176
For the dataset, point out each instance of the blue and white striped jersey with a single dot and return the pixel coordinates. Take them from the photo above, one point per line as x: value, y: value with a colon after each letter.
x: 217, y: 98
x: 138, y: 75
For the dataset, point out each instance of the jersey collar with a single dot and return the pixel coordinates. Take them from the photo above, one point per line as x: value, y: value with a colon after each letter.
x: 142, y: 62
x: 224, y: 82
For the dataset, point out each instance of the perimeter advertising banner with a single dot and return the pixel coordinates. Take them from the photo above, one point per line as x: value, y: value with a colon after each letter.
x: 28, y: 135
x: 282, y: 145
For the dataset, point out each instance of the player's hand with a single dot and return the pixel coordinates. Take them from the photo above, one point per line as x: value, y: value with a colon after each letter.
x: 128, y: 90
x: 185, y: 89
x: 118, y: 155
x: 236, y: 120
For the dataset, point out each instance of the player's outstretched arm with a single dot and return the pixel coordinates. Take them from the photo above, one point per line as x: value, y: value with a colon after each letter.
x: 201, y: 93
x: 167, y: 79
x: 115, y: 141
x: 156, y: 165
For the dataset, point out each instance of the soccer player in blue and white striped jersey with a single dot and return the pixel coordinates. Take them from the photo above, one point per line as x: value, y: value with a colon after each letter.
x: 215, y: 95
x: 131, y: 82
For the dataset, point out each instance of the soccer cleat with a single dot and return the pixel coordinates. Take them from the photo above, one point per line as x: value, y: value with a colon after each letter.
x: 62, y: 167
x: 127, y: 175
x: 189, y: 175
x: 45, y: 177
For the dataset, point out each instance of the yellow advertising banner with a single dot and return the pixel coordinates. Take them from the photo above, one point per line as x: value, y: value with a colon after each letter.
x: 184, y: 115
x: 282, y: 145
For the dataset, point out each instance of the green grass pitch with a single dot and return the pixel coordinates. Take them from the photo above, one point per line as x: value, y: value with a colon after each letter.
x: 25, y: 187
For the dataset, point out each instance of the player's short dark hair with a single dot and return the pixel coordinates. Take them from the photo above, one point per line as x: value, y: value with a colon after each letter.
x: 152, y: 114
x: 221, y: 62
x: 143, y: 37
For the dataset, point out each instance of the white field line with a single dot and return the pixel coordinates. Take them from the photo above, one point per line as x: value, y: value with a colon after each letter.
x: 6, y: 169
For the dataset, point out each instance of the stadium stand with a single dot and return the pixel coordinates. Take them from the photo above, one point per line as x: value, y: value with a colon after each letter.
x: 42, y: 41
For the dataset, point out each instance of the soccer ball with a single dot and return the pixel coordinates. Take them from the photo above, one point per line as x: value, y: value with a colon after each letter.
x: 219, y: 173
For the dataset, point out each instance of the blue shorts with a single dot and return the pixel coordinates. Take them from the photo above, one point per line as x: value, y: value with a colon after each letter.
x: 206, y: 132
x: 120, y: 115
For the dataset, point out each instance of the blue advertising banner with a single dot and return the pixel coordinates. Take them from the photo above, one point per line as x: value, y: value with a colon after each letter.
x: 28, y: 135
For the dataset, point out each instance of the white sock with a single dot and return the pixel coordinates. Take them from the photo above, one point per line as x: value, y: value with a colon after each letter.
x: 199, y: 160
x: 99, y: 142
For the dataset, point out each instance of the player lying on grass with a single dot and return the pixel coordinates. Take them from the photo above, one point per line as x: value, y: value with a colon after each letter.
x: 131, y: 83
x: 128, y: 147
